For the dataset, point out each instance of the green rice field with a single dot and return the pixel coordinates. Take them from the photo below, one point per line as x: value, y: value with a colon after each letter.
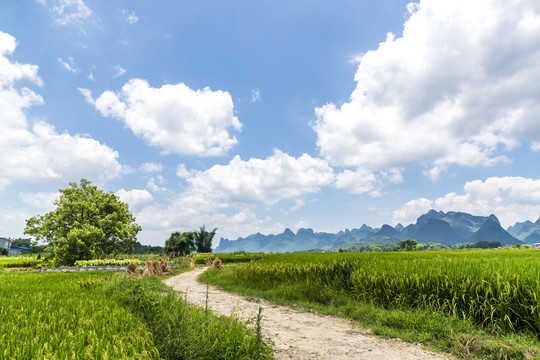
x: 490, y: 298
x: 105, y: 315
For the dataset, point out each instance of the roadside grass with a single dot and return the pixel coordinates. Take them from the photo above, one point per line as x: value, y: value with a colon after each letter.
x: 181, y: 331
x: 433, y: 329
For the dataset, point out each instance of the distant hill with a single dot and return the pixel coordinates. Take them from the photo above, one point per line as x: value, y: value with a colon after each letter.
x: 435, y: 230
x: 528, y: 231
x: 463, y: 224
x: 354, y: 235
x: 492, y: 231
x: 449, y: 228
x: 388, y: 231
x: 304, y: 239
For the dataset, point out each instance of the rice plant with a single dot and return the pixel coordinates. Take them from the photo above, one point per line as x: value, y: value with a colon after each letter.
x: 496, y: 289
x: 61, y: 316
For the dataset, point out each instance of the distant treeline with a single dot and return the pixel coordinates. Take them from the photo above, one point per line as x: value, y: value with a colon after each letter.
x: 138, y: 248
x: 413, y: 245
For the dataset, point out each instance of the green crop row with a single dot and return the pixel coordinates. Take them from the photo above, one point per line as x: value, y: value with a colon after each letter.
x: 20, y: 263
x: 227, y: 258
x: 497, y: 289
x: 111, y: 262
x: 66, y: 316
x: 107, y: 262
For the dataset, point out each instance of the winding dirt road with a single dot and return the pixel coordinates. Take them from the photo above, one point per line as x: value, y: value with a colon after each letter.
x: 296, y: 334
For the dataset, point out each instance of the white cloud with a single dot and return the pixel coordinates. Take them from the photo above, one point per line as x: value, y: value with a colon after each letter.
x: 87, y: 95
x: 356, y: 182
x: 130, y: 16
x: 69, y: 65
x: 174, y: 117
x: 67, y: 12
x: 512, y: 199
x: 118, y: 71
x: 35, y: 152
x: 151, y: 184
x: 218, y: 196
x: 453, y: 90
x: 412, y: 210
x: 151, y: 167
x: 267, y: 181
x: 12, y: 221
x: 44, y: 200
x: 298, y: 204
x: 255, y: 96
x: 136, y: 199
x: 183, y: 172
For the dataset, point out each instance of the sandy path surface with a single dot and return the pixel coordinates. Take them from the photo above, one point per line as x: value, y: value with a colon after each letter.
x: 296, y: 334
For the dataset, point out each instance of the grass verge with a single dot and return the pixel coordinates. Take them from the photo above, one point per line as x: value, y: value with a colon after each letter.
x: 435, y: 330
x: 181, y: 331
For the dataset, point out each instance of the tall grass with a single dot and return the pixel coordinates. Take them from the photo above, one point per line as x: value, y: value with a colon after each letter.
x: 61, y: 316
x: 102, y: 315
x: 184, y: 332
x: 496, y: 289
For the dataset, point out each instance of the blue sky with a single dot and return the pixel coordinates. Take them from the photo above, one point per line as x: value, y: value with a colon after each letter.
x: 258, y: 116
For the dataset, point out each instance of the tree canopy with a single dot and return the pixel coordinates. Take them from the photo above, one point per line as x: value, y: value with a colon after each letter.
x: 87, y: 223
x: 180, y: 244
x: 203, y: 239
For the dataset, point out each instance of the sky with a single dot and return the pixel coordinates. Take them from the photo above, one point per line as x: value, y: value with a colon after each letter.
x: 257, y: 116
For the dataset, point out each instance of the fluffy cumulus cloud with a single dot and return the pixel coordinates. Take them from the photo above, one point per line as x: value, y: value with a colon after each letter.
x: 136, y: 199
x: 408, y: 213
x: 173, y: 117
x: 43, y: 200
x: 459, y: 87
x: 512, y: 199
x: 229, y: 196
x: 263, y: 181
x: 34, y: 151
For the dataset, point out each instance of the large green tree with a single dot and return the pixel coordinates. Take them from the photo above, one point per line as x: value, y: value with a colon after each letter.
x: 87, y: 223
x: 203, y: 240
x: 180, y: 243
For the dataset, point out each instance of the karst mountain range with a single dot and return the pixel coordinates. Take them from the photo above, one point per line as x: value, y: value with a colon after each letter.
x: 449, y: 228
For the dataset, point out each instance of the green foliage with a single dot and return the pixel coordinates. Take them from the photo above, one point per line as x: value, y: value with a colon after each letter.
x: 20, y: 263
x: 23, y: 243
x: 87, y: 223
x: 3, y: 251
x: 106, y: 262
x: 138, y: 248
x: 476, y: 304
x: 67, y: 316
x: 203, y: 240
x: 407, y: 245
x: 495, y: 289
x: 180, y: 244
x: 478, y: 245
x: 239, y: 257
x: 184, y: 332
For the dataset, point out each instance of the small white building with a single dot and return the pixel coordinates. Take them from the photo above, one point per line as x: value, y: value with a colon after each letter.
x: 5, y: 243
x: 535, y: 245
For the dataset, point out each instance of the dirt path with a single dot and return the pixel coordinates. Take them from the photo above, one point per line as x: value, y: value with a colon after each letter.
x: 296, y: 334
